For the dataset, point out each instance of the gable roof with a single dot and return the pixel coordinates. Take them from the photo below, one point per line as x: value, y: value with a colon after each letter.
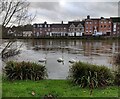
x: 76, y: 23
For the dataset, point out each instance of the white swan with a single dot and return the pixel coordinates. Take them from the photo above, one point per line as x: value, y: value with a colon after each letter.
x: 72, y: 61
x: 60, y: 60
x: 42, y: 60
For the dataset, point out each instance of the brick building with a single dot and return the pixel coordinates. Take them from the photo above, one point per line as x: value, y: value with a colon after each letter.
x: 98, y: 25
x: 89, y: 26
x: 60, y: 29
x: 42, y: 29
x: 105, y: 26
x: 73, y: 28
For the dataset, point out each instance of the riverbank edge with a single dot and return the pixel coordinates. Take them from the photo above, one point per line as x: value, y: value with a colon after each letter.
x: 60, y: 88
x: 68, y: 38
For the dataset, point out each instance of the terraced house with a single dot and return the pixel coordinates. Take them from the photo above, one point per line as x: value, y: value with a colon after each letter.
x: 60, y: 29
x: 87, y: 27
x: 42, y: 29
x: 98, y: 26
x: 75, y: 28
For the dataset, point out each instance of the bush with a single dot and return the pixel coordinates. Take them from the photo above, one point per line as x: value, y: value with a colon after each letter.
x: 116, y: 61
x: 24, y: 70
x: 88, y: 75
x: 117, y: 78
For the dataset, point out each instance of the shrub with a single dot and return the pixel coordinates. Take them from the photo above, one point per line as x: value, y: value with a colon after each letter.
x: 117, y: 78
x: 116, y: 61
x: 88, y: 75
x: 24, y: 70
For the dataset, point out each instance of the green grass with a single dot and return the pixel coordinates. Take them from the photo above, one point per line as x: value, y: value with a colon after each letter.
x: 59, y: 88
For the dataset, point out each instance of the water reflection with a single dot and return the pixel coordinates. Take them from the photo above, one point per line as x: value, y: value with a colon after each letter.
x: 96, y: 52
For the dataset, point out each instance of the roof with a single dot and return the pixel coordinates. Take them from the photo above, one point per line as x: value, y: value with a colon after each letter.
x: 115, y: 19
x: 43, y: 24
x: 76, y: 23
x: 59, y: 25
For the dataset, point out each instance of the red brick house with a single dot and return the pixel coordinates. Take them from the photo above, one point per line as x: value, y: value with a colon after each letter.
x: 105, y: 26
x: 95, y: 25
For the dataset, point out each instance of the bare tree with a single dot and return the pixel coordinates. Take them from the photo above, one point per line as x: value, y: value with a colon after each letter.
x: 15, y: 12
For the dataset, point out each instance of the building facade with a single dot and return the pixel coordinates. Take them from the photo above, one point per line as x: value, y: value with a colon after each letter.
x: 88, y: 27
x: 97, y: 26
x: 59, y: 29
x: 75, y: 28
x: 105, y: 26
x: 41, y: 30
x: 115, y: 26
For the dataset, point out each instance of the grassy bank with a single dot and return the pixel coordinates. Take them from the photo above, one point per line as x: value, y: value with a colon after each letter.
x: 59, y: 88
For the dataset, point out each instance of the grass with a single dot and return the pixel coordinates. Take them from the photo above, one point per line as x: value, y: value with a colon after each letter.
x: 59, y: 88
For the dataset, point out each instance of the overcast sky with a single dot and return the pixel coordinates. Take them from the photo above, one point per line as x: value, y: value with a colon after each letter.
x: 62, y: 10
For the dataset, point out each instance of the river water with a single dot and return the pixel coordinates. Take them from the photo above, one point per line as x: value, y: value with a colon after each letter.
x: 95, y: 52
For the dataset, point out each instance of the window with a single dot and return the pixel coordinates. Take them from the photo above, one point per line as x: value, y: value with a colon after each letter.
x: 91, y: 27
x: 101, y: 26
x: 105, y: 22
x: 104, y: 26
x: 40, y: 25
x: 86, y: 22
x: 34, y: 26
x: 109, y: 21
x: 90, y: 22
x: 86, y: 27
x: 48, y: 25
x: 45, y: 25
x: 101, y: 21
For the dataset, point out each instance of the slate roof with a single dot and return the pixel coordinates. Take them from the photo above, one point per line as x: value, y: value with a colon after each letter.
x: 115, y: 19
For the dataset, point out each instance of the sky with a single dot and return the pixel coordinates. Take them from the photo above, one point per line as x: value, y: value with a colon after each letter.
x: 54, y: 11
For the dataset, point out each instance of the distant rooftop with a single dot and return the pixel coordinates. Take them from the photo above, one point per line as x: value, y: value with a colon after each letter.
x: 115, y: 19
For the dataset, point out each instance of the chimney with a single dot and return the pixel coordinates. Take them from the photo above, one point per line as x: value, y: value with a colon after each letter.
x: 45, y: 22
x: 102, y: 17
x: 88, y: 17
x: 62, y: 22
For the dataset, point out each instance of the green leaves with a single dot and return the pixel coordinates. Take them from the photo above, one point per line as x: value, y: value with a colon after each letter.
x: 88, y: 75
x: 24, y: 70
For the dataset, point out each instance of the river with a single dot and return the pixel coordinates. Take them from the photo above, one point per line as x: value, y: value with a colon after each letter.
x: 95, y: 52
